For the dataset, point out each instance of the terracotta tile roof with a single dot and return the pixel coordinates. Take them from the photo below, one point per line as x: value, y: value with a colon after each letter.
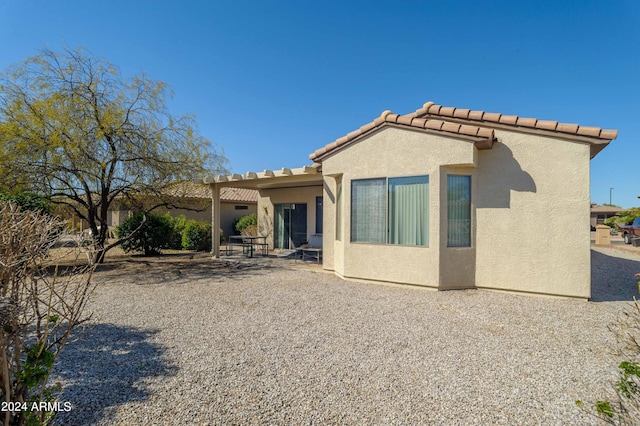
x: 482, y: 137
x: 431, y: 110
x: 473, y: 125
x: 192, y: 190
x: 242, y: 195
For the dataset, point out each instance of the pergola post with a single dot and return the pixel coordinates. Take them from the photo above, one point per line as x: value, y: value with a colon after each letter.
x: 215, y: 220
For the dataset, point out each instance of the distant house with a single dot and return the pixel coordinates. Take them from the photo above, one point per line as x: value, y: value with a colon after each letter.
x: 192, y: 201
x: 235, y: 203
x: 601, y: 213
x: 445, y: 198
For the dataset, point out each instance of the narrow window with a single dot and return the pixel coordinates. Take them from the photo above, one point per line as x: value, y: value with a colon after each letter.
x: 368, y: 211
x: 459, y: 211
x: 409, y: 210
x: 318, y: 215
x: 339, y: 212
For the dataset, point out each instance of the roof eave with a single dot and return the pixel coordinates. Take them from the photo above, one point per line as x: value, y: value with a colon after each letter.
x: 482, y: 138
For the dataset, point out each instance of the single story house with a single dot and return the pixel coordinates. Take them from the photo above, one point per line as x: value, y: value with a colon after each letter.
x: 601, y: 213
x: 192, y: 201
x: 195, y: 203
x: 443, y: 197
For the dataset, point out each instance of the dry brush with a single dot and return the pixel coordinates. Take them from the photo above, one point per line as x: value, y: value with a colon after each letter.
x: 41, y: 301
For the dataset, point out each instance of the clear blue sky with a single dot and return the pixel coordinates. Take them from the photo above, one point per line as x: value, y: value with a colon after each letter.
x: 272, y: 81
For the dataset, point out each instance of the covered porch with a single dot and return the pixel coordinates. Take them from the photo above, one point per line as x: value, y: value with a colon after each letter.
x: 289, y: 207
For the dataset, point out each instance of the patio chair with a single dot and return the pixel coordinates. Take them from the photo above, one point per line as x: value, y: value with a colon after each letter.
x: 312, y: 249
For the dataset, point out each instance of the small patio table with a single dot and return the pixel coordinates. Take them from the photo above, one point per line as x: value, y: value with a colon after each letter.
x: 248, y: 242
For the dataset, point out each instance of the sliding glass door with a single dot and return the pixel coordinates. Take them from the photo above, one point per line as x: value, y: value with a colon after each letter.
x: 290, y: 225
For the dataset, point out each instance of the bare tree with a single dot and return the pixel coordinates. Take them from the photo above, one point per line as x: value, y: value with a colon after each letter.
x: 40, y: 304
x: 72, y: 128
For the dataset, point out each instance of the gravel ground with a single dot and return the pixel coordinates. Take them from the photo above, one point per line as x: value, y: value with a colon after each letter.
x: 201, y: 342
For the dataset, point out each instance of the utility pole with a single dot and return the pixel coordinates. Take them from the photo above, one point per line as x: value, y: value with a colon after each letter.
x: 610, y: 191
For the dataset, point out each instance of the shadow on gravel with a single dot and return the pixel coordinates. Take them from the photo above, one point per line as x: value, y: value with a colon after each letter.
x: 183, y: 266
x: 612, y: 278
x: 106, y: 367
x: 210, y: 269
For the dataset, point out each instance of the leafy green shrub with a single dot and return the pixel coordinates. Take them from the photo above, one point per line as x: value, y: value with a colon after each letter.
x: 196, y: 236
x: 154, y: 234
x: 28, y: 201
x: 244, y: 221
x: 624, y: 217
x: 179, y: 224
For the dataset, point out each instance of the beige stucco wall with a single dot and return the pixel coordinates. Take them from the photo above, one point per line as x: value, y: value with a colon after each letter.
x: 116, y: 217
x: 530, y: 211
x: 228, y: 214
x: 332, y: 249
x: 390, y: 152
x: 267, y: 198
x: 200, y: 215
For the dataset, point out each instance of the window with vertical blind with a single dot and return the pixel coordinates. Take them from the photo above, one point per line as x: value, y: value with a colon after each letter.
x: 458, y: 211
x: 369, y: 210
x: 392, y: 211
x: 319, y: 216
x: 409, y: 210
x: 339, y: 212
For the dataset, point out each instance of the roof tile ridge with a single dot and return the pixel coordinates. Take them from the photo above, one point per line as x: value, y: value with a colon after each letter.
x: 444, y: 125
x: 432, y: 109
x: 424, y: 108
x: 409, y: 120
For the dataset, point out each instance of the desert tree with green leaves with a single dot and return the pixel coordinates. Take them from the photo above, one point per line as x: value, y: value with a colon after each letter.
x: 72, y: 128
x: 623, y: 218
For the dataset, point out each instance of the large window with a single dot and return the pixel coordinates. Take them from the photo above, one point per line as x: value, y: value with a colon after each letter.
x: 459, y: 211
x: 368, y: 210
x: 393, y: 211
x: 409, y: 210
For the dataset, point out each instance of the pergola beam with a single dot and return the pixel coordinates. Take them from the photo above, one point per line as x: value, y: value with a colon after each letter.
x: 266, y: 174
